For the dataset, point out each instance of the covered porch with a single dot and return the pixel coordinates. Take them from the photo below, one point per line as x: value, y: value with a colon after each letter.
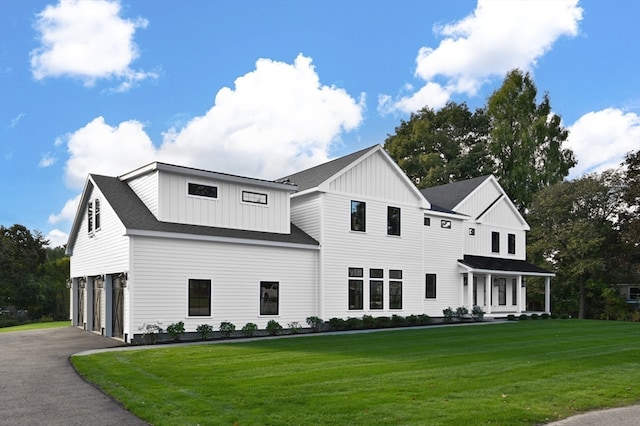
x: 498, y: 285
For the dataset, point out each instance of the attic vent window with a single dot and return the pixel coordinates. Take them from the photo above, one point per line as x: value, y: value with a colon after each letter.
x: 446, y: 224
x: 200, y: 190
x: 254, y: 197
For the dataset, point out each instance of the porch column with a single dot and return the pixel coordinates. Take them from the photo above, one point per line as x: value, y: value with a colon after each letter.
x: 518, y: 291
x: 470, y: 290
x: 488, y: 288
x: 547, y: 294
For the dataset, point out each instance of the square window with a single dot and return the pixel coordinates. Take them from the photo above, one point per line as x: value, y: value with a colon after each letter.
x: 199, y: 298
x: 430, y: 286
x: 358, y: 216
x: 269, y: 295
x: 393, y: 221
x: 427, y: 221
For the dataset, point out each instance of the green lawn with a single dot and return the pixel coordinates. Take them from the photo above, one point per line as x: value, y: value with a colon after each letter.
x: 520, y: 373
x: 36, y: 326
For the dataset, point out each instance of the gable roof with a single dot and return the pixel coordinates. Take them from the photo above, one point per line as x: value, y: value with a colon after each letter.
x: 313, y: 177
x: 448, y: 196
x: 138, y: 219
x: 496, y: 264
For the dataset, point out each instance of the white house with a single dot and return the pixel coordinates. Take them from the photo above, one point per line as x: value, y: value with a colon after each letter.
x: 350, y: 237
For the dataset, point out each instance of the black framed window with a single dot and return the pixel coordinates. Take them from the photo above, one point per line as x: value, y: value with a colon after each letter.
x: 355, y: 288
x: 514, y: 291
x: 393, y: 221
x: 495, y: 242
x: 427, y: 221
x: 96, y: 214
x: 634, y: 293
x: 269, y: 297
x: 200, y: 190
x: 358, y: 216
x: 511, y: 244
x: 90, y: 217
x: 502, y: 291
x: 254, y: 197
x: 376, y: 289
x: 395, y: 289
x: 430, y: 286
x: 446, y: 224
x: 199, y: 298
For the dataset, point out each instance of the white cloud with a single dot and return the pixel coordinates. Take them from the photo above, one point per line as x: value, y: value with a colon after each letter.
x: 67, y: 213
x: 277, y: 119
x: 87, y: 40
x: 46, y: 160
x: 497, y: 37
x: 601, y: 139
x: 15, y: 120
x: 57, y: 238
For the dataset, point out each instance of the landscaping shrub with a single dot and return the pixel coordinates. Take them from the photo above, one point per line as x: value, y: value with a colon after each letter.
x: 462, y: 313
x: 544, y: 316
x: 294, y: 327
x: 176, y: 330
x: 354, y: 324
x: 477, y: 313
x: 535, y: 316
x: 204, y: 330
x: 524, y: 317
x: 511, y: 317
x: 337, y: 324
x: 315, y: 323
x: 226, y: 328
x: 274, y: 328
x: 398, y: 321
x: 249, y: 329
x: 424, y: 319
x: 151, y: 333
x: 413, y: 320
x: 383, y: 322
x: 564, y: 316
x: 368, y: 321
x: 448, y: 314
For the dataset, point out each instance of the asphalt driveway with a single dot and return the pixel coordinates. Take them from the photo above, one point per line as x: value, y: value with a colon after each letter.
x: 38, y: 385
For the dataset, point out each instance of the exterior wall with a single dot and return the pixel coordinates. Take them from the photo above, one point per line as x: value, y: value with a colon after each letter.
x: 480, y: 243
x: 158, y: 282
x: 104, y: 251
x: 480, y: 199
x: 227, y: 210
x: 146, y: 188
x: 442, y: 248
x: 305, y: 214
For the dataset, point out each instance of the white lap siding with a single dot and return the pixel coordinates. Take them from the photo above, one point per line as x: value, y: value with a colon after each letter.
x: 163, y: 267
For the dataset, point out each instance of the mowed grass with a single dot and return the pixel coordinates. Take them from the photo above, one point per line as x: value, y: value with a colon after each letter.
x: 36, y: 326
x: 521, y: 373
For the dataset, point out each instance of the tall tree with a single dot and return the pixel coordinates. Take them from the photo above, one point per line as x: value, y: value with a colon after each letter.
x: 630, y: 216
x: 438, y: 147
x: 526, y: 140
x: 574, y: 231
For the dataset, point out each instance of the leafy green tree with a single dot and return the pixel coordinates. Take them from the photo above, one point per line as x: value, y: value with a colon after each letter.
x: 526, y: 140
x: 574, y: 232
x: 21, y: 255
x: 438, y: 147
x: 630, y: 216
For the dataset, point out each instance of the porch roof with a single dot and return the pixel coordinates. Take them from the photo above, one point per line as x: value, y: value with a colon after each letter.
x: 498, y: 264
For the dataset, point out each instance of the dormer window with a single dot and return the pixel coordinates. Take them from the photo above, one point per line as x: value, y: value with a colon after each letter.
x: 200, y: 190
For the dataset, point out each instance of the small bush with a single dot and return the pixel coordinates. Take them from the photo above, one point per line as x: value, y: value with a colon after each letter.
x: 544, y: 316
x: 462, y: 313
x: 477, y: 313
x: 226, y: 328
x: 523, y: 317
x: 424, y: 319
x: 511, y: 317
x: 383, y: 322
x: 176, y: 330
x: 413, y: 320
x: 315, y: 323
x: 204, y: 330
x: 294, y: 327
x: 337, y: 324
x: 354, y: 324
x: 565, y: 316
x: 448, y: 314
x: 274, y: 328
x: 399, y: 321
x: 368, y: 321
x: 151, y: 333
x: 249, y: 329
x: 535, y: 316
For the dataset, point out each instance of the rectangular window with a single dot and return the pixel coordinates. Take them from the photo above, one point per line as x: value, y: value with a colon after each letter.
x: 395, y: 289
x: 200, y: 190
x: 430, y: 286
x: 427, y: 221
x: 358, y: 216
x: 495, y: 242
x: 511, y: 244
x: 269, y: 297
x: 254, y: 197
x: 514, y: 291
x: 90, y: 217
x: 199, y: 298
x: 96, y: 214
x: 446, y: 224
x: 393, y: 221
x: 376, y: 292
x: 355, y: 289
x: 502, y: 291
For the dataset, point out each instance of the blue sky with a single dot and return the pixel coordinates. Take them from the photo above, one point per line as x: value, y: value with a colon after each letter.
x: 267, y: 88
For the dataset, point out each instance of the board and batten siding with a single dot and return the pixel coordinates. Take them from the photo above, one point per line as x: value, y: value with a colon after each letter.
x: 162, y: 268
x: 227, y: 210
x: 479, y: 200
x: 373, y: 249
x: 146, y: 188
x: 104, y: 251
x: 442, y: 248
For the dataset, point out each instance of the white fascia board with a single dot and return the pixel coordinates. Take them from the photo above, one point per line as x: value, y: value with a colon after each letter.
x: 512, y: 273
x: 88, y: 186
x: 194, y: 237
x: 456, y: 216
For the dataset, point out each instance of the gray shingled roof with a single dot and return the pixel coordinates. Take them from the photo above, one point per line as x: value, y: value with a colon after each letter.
x: 314, y: 176
x: 499, y: 264
x: 134, y: 214
x: 448, y: 196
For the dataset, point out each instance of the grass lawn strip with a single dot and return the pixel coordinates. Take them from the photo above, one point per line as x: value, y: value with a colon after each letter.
x: 36, y: 326
x: 512, y: 374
